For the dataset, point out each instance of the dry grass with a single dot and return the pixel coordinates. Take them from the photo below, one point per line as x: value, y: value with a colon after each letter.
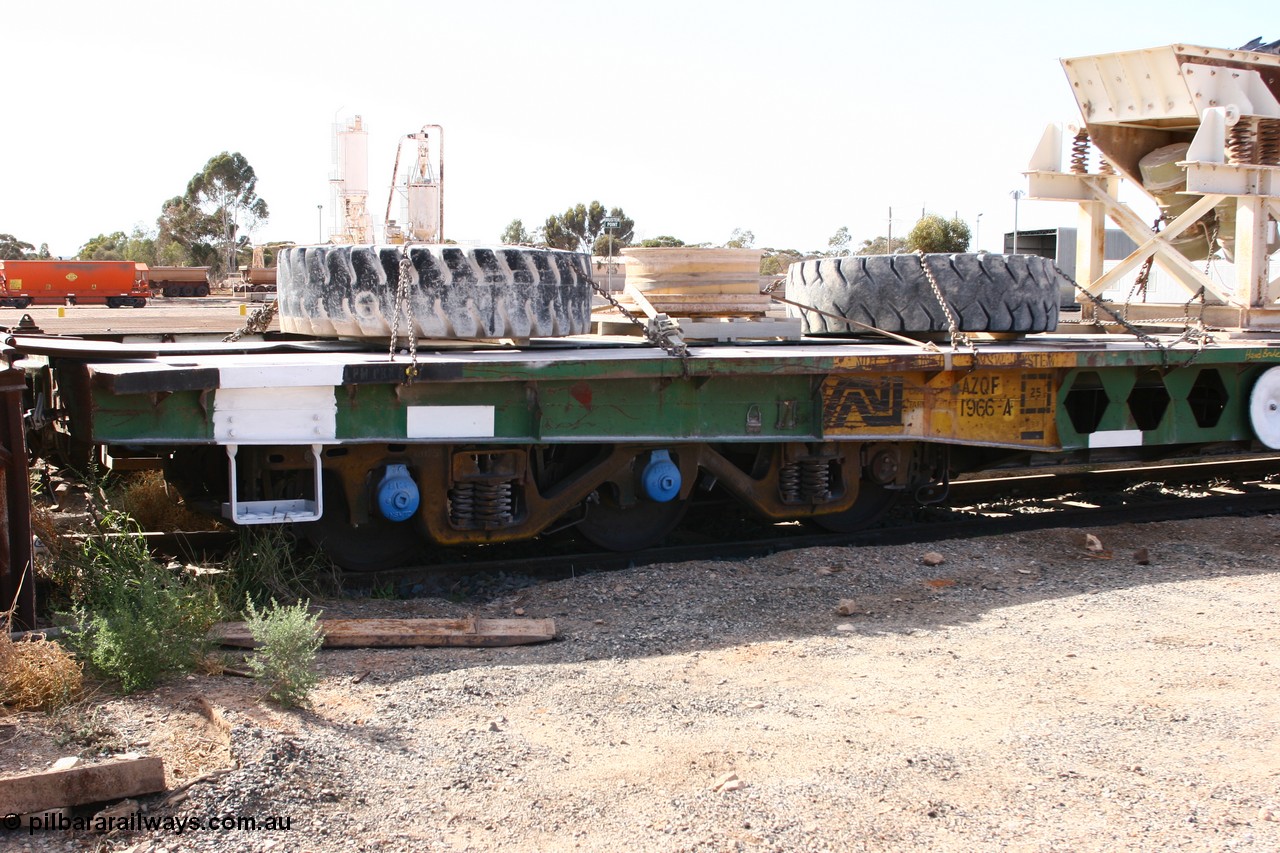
x: 147, y: 499
x: 45, y: 529
x: 36, y: 673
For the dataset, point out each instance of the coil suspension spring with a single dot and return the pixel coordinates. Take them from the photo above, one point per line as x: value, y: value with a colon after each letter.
x: 1269, y: 141
x: 462, y: 505
x: 1080, y: 153
x: 805, y: 481
x: 1241, y: 143
x: 494, y: 504
x: 789, y: 483
x: 815, y: 480
x: 482, y: 505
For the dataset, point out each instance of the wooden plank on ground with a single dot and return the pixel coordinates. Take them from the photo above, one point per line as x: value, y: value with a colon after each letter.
x: 76, y: 786
x: 370, y: 633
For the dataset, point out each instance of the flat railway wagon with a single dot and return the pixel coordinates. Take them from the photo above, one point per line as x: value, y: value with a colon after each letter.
x: 438, y: 395
x: 116, y: 284
x: 524, y: 423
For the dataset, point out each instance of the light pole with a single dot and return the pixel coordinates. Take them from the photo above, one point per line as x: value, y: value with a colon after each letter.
x: 1017, y: 196
x: 319, y: 223
x: 977, y: 234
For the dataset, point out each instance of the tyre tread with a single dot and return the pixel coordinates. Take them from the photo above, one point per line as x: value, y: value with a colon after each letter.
x: 483, y: 292
x: 985, y: 292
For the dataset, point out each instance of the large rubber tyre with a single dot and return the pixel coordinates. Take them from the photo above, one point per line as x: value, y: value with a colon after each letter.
x: 501, y: 292
x: 986, y: 293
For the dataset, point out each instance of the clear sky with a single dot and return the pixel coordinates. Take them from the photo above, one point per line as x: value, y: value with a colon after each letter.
x: 789, y: 119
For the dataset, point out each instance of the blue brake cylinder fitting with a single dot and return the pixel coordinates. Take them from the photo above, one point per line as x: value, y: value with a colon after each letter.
x: 397, y: 494
x: 660, y: 478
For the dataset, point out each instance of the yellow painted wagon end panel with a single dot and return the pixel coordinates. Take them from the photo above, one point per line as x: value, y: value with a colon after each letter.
x: 1014, y: 408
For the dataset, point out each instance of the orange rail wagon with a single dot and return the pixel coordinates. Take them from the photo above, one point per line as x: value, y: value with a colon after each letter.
x: 116, y: 284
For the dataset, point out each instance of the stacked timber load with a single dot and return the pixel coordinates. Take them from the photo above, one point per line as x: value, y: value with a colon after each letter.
x: 711, y: 294
x: 686, y: 282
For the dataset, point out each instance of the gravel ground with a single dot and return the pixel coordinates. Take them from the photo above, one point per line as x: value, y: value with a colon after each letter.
x: 1025, y: 694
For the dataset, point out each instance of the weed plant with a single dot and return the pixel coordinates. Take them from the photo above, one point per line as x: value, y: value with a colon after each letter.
x: 86, y: 725
x: 266, y: 565
x: 135, y: 621
x: 288, y: 639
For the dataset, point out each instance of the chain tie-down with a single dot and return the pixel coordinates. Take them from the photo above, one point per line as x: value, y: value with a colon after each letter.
x: 404, y: 308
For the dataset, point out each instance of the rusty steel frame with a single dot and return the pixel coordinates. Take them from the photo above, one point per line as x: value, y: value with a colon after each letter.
x: 17, y: 576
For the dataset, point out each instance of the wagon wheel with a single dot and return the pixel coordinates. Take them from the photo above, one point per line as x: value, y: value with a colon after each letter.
x: 645, y: 524
x: 872, y: 503
x: 375, y: 546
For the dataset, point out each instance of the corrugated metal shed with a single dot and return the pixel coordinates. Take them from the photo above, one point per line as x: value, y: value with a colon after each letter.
x: 1060, y: 244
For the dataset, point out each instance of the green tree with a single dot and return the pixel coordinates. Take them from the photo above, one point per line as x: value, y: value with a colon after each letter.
x: 935, y: 234
x: 104, y: 247
x: 880, y: 246
x: 185, y: 235
x: 43, y: 254
x: 740, y: 239
x: 139, y: 246
x: 662, y: 241
x: 515, y: 234
x: 839, y: 242
x: 227, y: 190
x: 776, y: 261
x: 13, y: 249
x: 581, y: 229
